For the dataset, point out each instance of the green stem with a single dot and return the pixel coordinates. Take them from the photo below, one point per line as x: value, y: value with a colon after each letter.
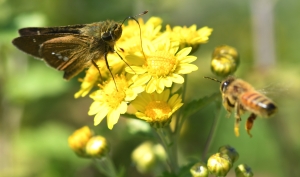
x: 106, y: 166
x: 170, y: 148
x: 179, y: 117
x: 213, y: 130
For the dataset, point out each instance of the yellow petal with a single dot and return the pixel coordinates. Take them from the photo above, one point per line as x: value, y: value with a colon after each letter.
x: 122, y: 108
x: 184, y: 52
x: 151, y: 86
x: 134, y: 60
x: 142, y: 79
x: 167, y: 81
x: 100, y: 116
x: 188, y: 59
x: 135, y: 70
x: 186, y: 68
x: 94, y: 108
x: 177, y: 78
x: 138, y: 106
x: 165, y: 95
x: 140, y: 115
x: 160, y: 86
x: 112, y: 118
x: 172, y: 100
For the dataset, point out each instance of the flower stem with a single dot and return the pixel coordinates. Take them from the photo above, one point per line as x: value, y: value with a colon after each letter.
x: 106, y: 166
x: 179, y: 118
x: 213, y: 129
x: 170, y: 148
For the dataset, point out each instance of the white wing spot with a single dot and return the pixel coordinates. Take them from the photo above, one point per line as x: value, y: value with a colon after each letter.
x: 65, y: 58
x: 38, y: 32
x: 59, y: 56
x: 33, y: 40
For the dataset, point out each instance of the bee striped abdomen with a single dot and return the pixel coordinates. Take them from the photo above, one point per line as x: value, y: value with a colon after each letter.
x: 258, y: 104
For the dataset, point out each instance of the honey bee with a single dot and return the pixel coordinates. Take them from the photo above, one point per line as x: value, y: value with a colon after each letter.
x: 242, y: 97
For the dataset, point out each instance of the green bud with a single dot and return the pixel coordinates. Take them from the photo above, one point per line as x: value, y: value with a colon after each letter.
x: 219, y: 164
x: 97, y: 147
x: 78, y: 140
x: 225, y: 60
x: 144, y: 157
x: 199, y: 170
x: 243, y: 170
x: 230, y: 151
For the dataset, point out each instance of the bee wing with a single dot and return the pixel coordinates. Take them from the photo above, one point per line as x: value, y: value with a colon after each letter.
x: 275, y: 88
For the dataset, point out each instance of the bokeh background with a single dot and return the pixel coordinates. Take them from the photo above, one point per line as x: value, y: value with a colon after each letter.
x: 38, y: 110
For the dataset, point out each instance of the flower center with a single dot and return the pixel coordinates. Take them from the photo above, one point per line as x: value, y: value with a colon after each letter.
x: 161, y: 63
x: 115, y: 91
x: 157, y: 110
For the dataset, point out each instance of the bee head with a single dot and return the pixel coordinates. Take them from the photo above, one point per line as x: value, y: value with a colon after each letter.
x: 226, y: 83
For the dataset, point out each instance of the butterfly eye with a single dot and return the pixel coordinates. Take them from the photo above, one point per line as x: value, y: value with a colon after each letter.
x: 107, y: 37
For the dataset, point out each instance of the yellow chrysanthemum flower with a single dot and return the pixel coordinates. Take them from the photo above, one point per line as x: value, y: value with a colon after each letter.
x: 190, y: 37
x: 92, y: 77
x: 111, y: 100
x: 155, y: 108
x: 163, y: 64
x: 133, y: 33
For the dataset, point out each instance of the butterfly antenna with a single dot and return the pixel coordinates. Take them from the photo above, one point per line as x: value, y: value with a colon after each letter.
x: 134, y: 18
x: 212, y: 79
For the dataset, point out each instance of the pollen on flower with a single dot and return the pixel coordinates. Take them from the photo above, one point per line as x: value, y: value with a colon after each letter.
x: 157, y: 109
x: 112, y: 96
x: 111, y: 100
x: 161, y: 63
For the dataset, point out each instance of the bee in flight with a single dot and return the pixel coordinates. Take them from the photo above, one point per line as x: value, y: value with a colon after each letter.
x: 242, y: 97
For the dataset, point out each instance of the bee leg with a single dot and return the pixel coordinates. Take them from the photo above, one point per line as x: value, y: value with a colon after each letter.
x: 249, y: 123
x: 227, y: 106
x: 237, y: 119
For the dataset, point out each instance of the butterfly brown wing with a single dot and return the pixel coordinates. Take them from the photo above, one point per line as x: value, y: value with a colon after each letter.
x: 68, y: 53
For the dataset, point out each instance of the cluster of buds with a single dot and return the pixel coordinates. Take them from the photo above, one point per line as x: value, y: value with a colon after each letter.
x: 85, y: 144
x: 220, y: 163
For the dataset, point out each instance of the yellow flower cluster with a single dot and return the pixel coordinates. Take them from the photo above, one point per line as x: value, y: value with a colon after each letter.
x: 152, y: 61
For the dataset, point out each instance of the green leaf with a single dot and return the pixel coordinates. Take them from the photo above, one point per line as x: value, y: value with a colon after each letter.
x: 195, y: 105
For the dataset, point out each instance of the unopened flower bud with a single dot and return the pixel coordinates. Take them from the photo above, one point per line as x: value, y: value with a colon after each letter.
x: 219, y: 164
x: 243, y: 170
x: 97, y: 146
x: 230, y: 151
x: 199, y: 170
x: 225, y: 60
x: 144, y: 157
x: 78, y: 140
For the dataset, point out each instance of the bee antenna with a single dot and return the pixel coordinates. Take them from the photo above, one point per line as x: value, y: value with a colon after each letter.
x: 134, y: 18
x: 212, y: 79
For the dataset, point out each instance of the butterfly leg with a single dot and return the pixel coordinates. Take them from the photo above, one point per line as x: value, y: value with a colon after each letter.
x: 107, y: 65
x: 95, y: 64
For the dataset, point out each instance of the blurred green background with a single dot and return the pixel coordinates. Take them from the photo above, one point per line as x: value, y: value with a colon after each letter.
x: 38, y: 110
